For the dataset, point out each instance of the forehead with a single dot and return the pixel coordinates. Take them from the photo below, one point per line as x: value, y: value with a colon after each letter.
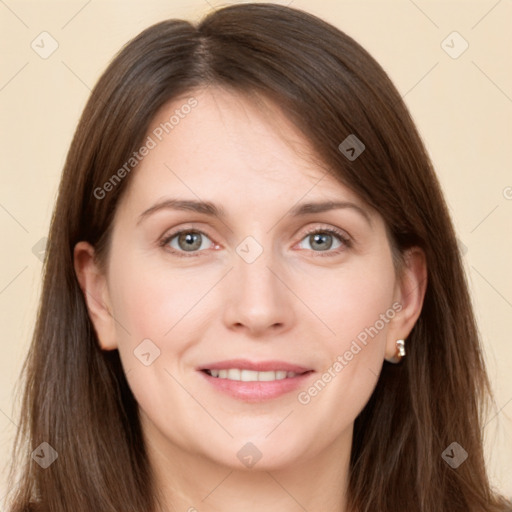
x: 217, y: 143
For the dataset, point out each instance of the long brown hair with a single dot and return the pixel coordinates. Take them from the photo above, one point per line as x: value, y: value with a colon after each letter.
x: 76, y: 397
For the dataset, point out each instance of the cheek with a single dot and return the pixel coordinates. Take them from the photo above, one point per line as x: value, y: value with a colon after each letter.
x: 353, y: 298
x: 155, y: 301
x: 150, y: 297
x: 362, y: 306
x: 356, y: 305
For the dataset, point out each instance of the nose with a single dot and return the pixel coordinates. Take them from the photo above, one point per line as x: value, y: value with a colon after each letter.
x: 259, y: 301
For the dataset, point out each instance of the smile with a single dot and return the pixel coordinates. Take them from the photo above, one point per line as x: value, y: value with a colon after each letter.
x: 255, y: 381
x: 251, y: 375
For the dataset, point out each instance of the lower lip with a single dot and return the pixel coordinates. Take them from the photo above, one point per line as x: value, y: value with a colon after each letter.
x: 257, y: 391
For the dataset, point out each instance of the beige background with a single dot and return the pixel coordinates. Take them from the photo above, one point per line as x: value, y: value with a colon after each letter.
x: 462, y: 106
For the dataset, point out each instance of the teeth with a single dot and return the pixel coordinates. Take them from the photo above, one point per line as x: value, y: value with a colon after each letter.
x: 251, y: 375
x: 232, y: 374
x: 266, y: 376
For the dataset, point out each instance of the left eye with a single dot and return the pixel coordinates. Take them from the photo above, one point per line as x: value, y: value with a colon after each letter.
x: 321, y: 240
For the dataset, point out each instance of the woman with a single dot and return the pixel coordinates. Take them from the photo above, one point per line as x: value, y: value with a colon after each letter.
x: 253, y: 296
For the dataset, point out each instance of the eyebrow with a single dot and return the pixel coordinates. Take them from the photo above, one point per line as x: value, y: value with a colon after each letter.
x: 209, y: 208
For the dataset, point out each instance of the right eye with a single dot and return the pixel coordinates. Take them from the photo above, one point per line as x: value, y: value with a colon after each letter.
x: 185, y: 241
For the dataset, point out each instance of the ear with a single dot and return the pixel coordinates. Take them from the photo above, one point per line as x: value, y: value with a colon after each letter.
x: 409, y: 294
x: 94, y: 287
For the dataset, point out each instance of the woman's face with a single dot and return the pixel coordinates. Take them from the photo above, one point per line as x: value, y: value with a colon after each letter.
x: 246, y: 287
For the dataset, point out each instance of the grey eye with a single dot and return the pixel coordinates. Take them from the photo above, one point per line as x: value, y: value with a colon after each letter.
x: 321, y: 241
x: 188, y: 241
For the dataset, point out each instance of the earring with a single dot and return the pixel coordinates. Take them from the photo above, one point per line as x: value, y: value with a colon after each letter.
x: 400, y: 351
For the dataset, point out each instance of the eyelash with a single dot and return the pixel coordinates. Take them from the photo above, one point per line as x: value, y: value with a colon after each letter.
x: 343, y: 238
x: 347, y: 243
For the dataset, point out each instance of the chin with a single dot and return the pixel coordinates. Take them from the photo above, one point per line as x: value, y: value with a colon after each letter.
x: 259, y: 454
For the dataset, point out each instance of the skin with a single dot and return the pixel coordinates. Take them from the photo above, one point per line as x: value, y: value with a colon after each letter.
x: 290, y: 304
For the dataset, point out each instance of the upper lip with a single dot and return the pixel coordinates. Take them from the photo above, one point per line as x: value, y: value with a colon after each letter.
x: 258, y: 366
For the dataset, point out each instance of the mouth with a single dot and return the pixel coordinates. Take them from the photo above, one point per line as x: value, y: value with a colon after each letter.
x: 238, y: 374
x: 255, y: 381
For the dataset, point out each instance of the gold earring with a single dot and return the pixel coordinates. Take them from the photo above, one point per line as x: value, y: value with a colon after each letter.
x: 400, y: 351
